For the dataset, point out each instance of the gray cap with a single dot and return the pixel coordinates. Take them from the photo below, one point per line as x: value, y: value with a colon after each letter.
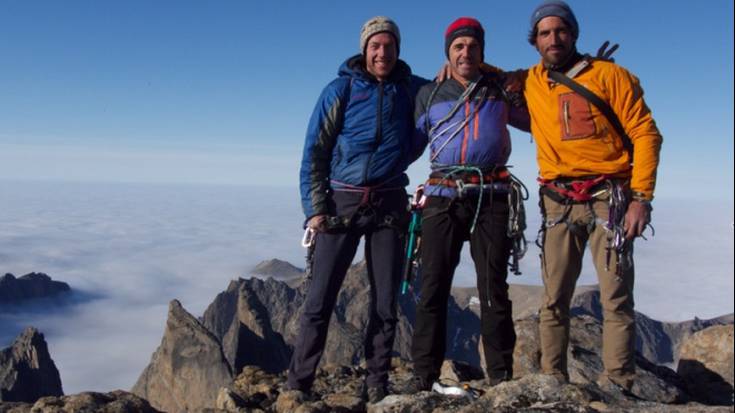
x: 377, y: 25
x: 553, y: 8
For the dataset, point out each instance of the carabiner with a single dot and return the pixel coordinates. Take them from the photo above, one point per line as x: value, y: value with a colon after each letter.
x: 308, y: 238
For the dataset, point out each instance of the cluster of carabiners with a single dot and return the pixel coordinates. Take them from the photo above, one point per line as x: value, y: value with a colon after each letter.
x: 616, y: 242
x: 517, y: 223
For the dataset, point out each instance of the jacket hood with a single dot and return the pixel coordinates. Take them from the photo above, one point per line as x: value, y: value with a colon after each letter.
x: 354, y: 67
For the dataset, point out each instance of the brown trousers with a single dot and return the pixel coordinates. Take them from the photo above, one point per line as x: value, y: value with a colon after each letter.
x: 563, y: 249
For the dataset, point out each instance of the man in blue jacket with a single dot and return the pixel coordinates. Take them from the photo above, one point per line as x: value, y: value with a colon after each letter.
x: 357, y: 149
x: 464, y: 122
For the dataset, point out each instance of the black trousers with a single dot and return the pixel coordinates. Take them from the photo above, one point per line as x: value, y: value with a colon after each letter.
x: 333, y: 255
x: 445, y: 227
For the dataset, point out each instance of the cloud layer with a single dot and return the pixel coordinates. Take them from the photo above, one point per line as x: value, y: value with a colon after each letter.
x: 135, y: 247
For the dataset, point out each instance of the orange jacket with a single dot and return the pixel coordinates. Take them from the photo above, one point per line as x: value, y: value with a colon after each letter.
x: 574, y: 139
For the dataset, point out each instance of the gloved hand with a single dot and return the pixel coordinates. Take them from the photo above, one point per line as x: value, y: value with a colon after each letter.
x: 604, y: 54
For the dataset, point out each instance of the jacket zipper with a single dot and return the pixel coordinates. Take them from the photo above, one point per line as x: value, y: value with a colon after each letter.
x: 566, y: 117
x: 378, y: 132
x: 466, y: 133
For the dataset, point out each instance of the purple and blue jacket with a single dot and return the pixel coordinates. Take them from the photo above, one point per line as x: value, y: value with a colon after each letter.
x: 466, y: 127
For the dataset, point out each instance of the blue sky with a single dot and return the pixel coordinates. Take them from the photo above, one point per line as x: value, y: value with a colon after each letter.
x: 220, y: 92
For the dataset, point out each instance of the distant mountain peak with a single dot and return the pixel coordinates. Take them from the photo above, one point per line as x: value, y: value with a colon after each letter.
x: 30, y: 286
x: 277, y: 269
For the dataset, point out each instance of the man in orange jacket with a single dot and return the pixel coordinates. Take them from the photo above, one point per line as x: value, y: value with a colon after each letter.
x: 596, y: 187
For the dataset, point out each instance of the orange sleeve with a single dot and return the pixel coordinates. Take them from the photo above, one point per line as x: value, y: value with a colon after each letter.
x: 626, y: 98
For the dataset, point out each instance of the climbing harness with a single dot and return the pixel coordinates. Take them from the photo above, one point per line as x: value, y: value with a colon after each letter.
x: 465, y: 179
x: 587, y: 191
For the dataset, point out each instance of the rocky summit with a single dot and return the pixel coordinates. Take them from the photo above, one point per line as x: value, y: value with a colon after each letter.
x: 27, y: 371
x: 340, y: 389
x: 250, y: 327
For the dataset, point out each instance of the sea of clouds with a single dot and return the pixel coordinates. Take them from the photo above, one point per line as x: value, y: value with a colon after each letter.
x: 128, y: 249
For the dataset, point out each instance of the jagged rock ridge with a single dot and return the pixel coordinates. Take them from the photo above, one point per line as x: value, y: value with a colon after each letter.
x: 188, y: 367
x: 27, y: 371
x: 254, y: 311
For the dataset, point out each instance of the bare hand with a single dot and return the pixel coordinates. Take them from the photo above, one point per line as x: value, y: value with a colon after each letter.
x: 637, y: 217
x: 515, y: 81
x: 318, y: 223
x: 604, y: 54
x: 445, y: 73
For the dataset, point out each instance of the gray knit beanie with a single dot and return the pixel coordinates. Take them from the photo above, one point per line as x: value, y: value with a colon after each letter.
x: 379, y: 24
x: 553, y: 8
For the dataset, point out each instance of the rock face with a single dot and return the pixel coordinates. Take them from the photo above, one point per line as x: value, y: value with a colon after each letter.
x: 113, y: 402
x: 706, y: 363
x: 27, y: 371
x: 188, y: 367
x: 252, y: 312
x: 30, y: 286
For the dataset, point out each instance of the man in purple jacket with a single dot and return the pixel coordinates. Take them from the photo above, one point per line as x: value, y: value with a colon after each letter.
x: 464, y: 122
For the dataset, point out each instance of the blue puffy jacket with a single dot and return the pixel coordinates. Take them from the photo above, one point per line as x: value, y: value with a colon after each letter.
x: 359, y: 133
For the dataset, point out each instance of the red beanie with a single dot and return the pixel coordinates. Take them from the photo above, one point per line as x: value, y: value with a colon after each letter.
x: 464, y: 26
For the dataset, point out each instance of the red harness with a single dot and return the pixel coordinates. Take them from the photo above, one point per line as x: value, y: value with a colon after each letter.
x: 578, y: 191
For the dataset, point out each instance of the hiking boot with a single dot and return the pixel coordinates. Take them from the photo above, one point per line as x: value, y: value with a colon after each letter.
x: 615, y: 389
x: 494, y: 379
x: 299, y: 395
x: 376, y: 394
x: 417, y: 384
x: 560, y: 377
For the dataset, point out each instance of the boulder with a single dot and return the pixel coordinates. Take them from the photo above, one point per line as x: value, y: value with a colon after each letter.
x: 188, y: 368
x: 27, y: 371
x: 706, y: 364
